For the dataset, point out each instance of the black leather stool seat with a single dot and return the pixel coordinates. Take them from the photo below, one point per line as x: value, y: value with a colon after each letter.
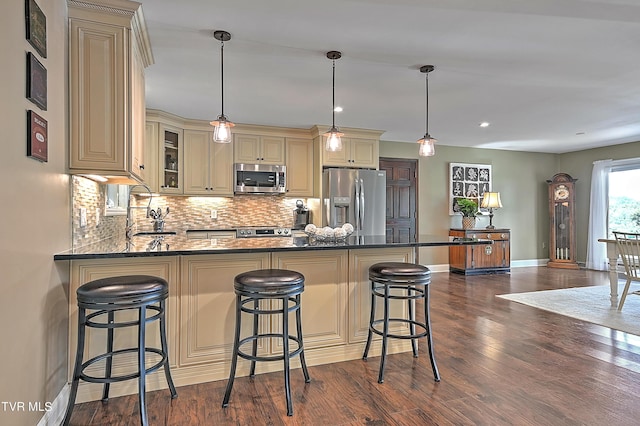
x: 123, y: 289
x: 405, y: 282
x: 103, y: 298
x: 400, y: 272
x: 277, y: 285
x: 269, y: 281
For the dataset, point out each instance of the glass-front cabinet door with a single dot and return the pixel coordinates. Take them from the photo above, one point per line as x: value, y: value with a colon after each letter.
x: 171, y: 159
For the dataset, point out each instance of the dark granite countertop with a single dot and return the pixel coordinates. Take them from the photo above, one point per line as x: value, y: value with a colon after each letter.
x: 175, y: 245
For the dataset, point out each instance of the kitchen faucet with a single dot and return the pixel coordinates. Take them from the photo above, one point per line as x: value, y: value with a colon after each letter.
x: 129, y: 224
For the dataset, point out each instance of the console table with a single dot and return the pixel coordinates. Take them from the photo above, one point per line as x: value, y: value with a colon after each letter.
x: 481, y: 259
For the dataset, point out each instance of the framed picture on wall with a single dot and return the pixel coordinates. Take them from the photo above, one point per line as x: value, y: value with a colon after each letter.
x: 468, y: 181
x: 37, y: 137
x: 36, y: 25
x: 36, y: 81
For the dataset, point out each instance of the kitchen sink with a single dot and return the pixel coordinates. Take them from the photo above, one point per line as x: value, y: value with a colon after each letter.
x: 152, y: 233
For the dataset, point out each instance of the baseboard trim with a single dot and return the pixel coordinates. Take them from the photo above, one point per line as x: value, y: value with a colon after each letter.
x: 55, y: 415
x: 444, y: 267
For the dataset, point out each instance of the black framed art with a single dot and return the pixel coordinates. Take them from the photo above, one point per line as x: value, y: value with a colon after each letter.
x: 36, y: 81
x: 468, y: 181
x: 36, y: 25
x: 37, y: 139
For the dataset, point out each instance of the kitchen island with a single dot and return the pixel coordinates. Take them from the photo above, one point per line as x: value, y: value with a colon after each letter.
x: 200, y: 308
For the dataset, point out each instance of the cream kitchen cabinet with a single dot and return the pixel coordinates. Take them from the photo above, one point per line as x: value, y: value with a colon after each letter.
x: 254, y: 149
x: 207, y: 312
x: 360, y: 293
x: 325, y: 296
x: 207, y: 165
x: 83, y: 271
x: 152, y: 153
x: 300, y: 171
x: 108, y: 51
x: 355, y: 153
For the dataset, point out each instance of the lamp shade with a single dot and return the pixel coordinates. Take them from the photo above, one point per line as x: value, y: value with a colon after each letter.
x: 491, y: 200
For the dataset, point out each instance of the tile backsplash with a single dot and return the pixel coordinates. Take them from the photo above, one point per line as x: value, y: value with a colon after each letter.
x: 184, y: 212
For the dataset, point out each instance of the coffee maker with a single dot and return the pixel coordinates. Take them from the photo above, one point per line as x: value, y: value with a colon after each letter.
x: 301, y: 216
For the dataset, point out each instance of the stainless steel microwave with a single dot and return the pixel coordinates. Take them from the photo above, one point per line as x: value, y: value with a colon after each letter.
x: 259, y: 179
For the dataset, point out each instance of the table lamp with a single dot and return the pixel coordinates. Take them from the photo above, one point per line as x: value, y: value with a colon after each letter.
x: 491, y: 200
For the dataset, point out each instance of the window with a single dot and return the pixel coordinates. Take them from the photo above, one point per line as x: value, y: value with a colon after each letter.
x: 116, y: 200
x: 624, y: 200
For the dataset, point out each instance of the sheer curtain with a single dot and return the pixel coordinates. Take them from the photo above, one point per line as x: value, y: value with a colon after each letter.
x: 599, y: 207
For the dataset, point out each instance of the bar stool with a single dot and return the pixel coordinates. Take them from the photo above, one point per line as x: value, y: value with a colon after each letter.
x: 268, y: 284
x: 386, y: 277
x: 105, y: 297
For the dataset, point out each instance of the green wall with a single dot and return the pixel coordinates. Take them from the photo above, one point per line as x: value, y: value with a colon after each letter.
x: 520, y: 177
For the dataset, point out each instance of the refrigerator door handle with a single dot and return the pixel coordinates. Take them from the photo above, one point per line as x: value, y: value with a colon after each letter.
x: 357, y: 202
x: 361, y: 204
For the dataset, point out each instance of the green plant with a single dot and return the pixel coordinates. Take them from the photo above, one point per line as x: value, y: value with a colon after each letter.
x: 468, y: 207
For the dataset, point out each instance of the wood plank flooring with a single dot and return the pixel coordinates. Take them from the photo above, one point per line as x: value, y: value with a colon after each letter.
x: 502, y: 363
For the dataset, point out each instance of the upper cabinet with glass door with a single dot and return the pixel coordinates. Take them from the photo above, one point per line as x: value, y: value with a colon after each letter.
x: 171, y: 150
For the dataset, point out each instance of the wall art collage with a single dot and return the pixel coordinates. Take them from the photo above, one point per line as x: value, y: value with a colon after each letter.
x: 468, y: 181
x: 36, y: 81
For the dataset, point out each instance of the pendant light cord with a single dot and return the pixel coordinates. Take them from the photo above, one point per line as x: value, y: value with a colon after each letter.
x: 222, y: 76
x: 333, y: 96
x: 426, y: 119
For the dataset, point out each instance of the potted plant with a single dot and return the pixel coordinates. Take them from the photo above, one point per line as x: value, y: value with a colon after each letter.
x: 469, y: 210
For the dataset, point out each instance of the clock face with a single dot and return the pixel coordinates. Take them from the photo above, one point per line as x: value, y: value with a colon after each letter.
x: 561, y: 192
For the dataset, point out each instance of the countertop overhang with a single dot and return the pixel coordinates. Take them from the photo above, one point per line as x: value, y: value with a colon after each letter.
x: 180, y: 245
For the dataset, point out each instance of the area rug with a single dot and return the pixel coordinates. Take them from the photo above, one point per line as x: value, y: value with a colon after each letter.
x: 591, y: 304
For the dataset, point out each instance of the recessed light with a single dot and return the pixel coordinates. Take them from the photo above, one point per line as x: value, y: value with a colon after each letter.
x: 338, y: 109
x: 485, y: 124
x: 580, y: 133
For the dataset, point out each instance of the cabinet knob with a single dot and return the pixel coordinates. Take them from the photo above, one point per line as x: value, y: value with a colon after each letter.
x: 141, y: 166
x: 489, y: 236
x: 503, y: 236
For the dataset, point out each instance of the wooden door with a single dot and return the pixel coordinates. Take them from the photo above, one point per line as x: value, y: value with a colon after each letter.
x: 401, y: 198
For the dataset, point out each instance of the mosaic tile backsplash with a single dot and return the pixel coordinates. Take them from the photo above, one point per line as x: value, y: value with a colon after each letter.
x: 184, y: 212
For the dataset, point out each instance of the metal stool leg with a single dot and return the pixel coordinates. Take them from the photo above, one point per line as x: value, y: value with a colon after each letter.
x: 254, y: 347
x: 234, y: 356
x: 427, y: 321
x: 165, y: 349
x: 109, y: 360
x: 77, y: 367
x: 307, y: 379
x: 285, y: 348
x: 372, y: 317
x: 411, y: 291
x: 142, y: 369
x: 385, y: 332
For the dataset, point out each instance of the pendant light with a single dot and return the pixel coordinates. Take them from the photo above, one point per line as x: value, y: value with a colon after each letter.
x: 334, y: 143
x: 222, y: 131
x: 427, y: 143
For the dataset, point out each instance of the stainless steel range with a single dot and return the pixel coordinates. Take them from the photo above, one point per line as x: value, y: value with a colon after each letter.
x: 262, y: 231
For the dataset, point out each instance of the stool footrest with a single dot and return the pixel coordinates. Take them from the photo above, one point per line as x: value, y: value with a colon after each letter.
x: 122, y: 378
x: 400, y: 336
x: 246, y: 340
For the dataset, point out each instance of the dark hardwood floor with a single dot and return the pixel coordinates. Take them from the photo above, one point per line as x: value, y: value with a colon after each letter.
x: 502, y: 363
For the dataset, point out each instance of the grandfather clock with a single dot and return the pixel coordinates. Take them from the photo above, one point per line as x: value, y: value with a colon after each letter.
x: 562, y: 222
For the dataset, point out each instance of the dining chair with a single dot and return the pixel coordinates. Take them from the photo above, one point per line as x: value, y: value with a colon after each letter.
x: 628, y: 245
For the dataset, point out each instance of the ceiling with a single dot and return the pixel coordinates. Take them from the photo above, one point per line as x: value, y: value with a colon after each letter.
x: 549, y: 75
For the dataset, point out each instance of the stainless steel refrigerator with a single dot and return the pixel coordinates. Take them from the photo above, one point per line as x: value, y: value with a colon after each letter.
x: 357, y: 197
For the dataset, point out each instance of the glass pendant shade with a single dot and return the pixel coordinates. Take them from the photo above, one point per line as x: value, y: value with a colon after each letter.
x: 427, y: 146
x: 334, y: 141
x: 222, y: 131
